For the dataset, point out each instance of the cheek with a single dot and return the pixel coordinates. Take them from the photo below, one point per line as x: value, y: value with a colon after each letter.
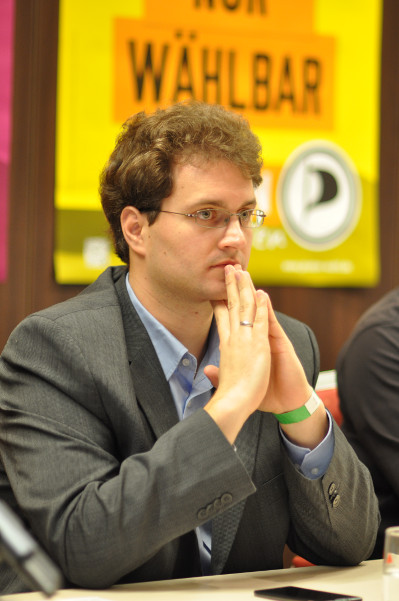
x: 177, y: 251
x: 247, y: 250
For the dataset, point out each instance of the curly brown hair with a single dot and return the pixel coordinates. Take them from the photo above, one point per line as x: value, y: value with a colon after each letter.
x: 139, y: 170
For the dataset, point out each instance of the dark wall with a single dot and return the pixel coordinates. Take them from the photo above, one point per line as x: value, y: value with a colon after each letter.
x: 31, y: 286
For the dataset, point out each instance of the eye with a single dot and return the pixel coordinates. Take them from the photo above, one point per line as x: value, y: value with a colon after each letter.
x: 245, y: 215
x: 206, y: 214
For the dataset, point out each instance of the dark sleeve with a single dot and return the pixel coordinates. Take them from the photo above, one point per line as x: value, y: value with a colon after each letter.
x: 368, y: 385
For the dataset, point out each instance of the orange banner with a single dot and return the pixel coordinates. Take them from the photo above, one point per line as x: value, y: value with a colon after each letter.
x: 263, y: 16
x: 277, y: 81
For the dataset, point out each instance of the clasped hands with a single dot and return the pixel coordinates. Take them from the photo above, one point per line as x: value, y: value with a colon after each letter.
x: 259, y: 368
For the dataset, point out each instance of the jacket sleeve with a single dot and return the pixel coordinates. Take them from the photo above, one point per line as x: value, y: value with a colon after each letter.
x: 100, y: 515
x: 335, y: 518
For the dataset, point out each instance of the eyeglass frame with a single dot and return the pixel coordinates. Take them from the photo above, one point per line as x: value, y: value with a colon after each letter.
x: 258, y: 212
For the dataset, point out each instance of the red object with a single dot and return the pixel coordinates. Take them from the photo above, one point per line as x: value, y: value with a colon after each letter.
x: 300, y: 562
x: 331, y: 401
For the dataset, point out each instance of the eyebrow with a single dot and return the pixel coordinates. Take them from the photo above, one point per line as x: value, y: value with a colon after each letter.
x: 208, y: 203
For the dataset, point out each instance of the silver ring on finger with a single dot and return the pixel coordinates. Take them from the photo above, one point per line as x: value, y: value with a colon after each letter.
x: 247, y: 323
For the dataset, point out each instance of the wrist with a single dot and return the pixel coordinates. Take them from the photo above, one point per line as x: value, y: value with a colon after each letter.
x: 228, y: 414
x: 298, y: 415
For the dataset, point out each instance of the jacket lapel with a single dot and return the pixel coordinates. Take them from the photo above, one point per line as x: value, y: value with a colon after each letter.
x: 150, y: 386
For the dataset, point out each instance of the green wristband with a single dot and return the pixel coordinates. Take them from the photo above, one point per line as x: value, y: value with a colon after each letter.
x: 298, y: 415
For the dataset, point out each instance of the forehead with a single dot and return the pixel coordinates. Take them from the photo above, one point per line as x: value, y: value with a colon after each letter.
x: 209, y: 183
x: 201, y: 173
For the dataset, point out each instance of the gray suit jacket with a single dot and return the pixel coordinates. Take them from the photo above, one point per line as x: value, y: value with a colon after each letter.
x: 113, y: 485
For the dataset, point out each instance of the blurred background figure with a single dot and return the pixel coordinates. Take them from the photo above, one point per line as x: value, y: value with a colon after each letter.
x: 368, y: 387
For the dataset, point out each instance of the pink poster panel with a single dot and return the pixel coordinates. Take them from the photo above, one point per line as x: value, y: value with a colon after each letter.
x: 6, y: 60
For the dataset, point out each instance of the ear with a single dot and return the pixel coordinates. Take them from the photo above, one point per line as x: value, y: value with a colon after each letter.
x: 132, y: 223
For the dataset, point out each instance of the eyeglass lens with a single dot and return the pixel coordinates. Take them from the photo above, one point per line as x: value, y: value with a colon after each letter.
x: 220, y: 218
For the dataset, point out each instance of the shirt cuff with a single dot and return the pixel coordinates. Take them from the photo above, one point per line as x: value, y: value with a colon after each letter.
x: 312, y: 463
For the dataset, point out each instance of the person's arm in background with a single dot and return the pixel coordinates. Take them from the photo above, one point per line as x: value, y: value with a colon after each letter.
x: 368, y: 386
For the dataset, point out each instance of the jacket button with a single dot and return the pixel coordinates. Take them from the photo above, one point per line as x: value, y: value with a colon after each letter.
x: 201, y: 515
x: 336, y: 501
x: 226, y: 498
x: 211, y: 509
x: 332, y: 488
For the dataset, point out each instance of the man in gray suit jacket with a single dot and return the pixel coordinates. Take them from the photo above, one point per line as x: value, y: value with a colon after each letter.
x: 163, y: 423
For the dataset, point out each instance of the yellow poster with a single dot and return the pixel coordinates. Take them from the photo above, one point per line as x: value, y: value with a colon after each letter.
x: 305, y: 75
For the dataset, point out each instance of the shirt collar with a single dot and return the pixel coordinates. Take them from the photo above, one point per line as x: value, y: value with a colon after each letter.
x: 169, y: 349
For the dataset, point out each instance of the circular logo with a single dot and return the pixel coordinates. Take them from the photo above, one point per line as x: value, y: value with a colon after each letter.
x: 319, y: 195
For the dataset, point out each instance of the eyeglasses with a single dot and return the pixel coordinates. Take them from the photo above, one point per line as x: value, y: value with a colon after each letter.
x: 220, y: 218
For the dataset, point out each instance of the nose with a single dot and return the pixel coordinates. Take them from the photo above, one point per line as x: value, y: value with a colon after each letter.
x: 234, y: 235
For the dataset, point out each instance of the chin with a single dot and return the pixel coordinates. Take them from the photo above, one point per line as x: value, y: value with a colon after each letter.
x: 215, y: 291
x: 218, y: 296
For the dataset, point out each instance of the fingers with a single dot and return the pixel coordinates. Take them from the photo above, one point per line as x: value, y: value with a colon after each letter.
x: 228, y: 313
x: 276, y: 332
x: 212, y: 373
x: 240, y: 297
x: 244, y: 369
x: 263, y: 308
x: 274, y: 325
x: 244, y: 304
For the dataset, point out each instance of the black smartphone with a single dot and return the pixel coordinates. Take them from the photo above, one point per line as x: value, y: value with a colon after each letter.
x: 288, y: 593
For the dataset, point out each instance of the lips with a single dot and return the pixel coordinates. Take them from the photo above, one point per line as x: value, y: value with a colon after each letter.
x: 222, y: 264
